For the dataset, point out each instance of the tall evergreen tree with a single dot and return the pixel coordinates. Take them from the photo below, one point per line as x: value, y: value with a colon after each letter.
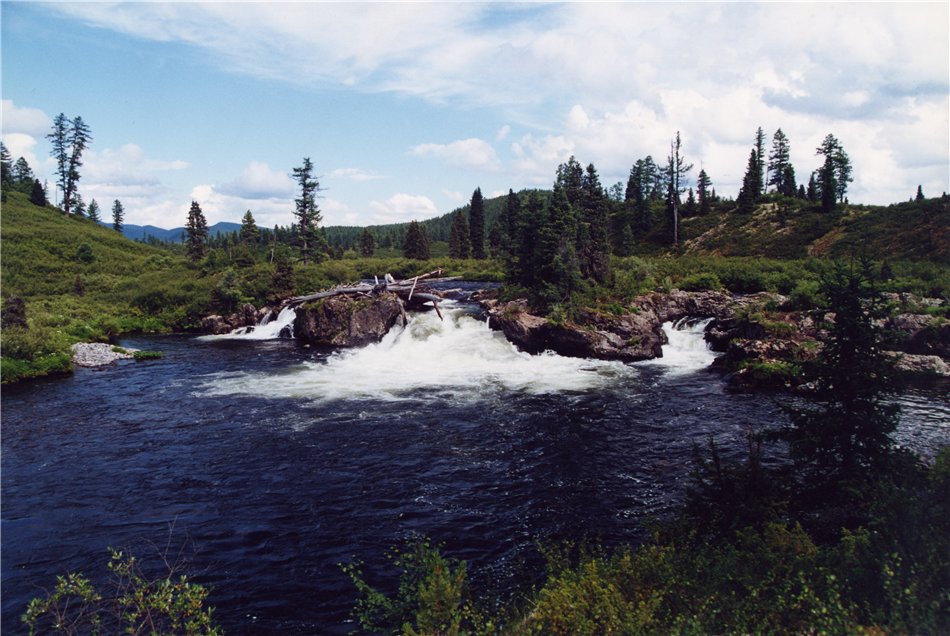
x: 760, y: 159
x: 79, y: 206
x: 812, y: 192
x: 920, y: 193
x: 59, y: 150
x: 312, y: 241
x: 677, y: 171
x: 249, y: 232
x: 367, y: 242
x: 594, y: 249
x: 416, y: 244
x: 840, y: 163
x: 460, y: 245
x: 558, y: 275
x: 118, y: 215
x: 22, y: 176
x: 828, y: 185
x: 93, y: 211
x: 78, y: 138
x: 703, y: 183
x: 6, y: 167
x: 476, y: 224
x: 570, y: 176
x: 789, y: 186
x: 512, y: 219
x: 749, y: 193
x: 779, y: 162
x: 196, y: 232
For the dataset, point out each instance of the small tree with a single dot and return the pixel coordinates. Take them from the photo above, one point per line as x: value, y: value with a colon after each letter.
x: 703, y: 184
x: 460, y: 245
x: 118, y: 215
x: 477, y: 224
x: 749, y: 193
x: 93, y: 211
x: 196, y: 232
x: 38, y: 194
x: 416, y: 245
x: 367, y: 242
x: 920, y: 193
x: 249, y: 232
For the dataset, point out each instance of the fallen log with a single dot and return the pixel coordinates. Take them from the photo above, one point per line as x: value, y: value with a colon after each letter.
x: 406, y: 290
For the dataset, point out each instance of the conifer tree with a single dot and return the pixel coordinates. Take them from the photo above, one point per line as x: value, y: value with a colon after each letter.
x: 312, y: 241
x: 748, y: 194
x: 594, y: 243
x: 79, y: 206
x: 249, y: 232
x: 59, y: 150
x: 367, y: 242
x: 760, y: 174
x: 6, y: 167
x: 118, y: 215
x: 476, y: 224
x: 812, y: 192
x: 920, y: 193
x: 570, y: 176
x: 559, y: 273
x: 68, y: 140
x: 703, y: 183
x: 512, y: 221
x: 840, y: 166
x: 93, y: 211
x: 779, y: 162
x: 38, y: 194
x: 460, y: 245
x: 677, y: 171
x: 22, y: 176
x: 416, y: 244
x: 196, y: 232
x: 827, y: 185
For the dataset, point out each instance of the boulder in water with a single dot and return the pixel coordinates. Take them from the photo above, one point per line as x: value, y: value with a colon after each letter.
x: 347, y: 321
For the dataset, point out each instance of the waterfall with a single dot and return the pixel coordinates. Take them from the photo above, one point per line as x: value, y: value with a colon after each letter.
x: 686, y: 349
x: 459, y: 357
x: 269, y: 328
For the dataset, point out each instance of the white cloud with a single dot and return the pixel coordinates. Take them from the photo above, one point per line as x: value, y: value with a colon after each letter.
x: 454, y: 196
x: 471, y: 154
x: 354, y: 174
x: 503, y: 133
x: 31, y: 121
x: 258, y: 181
x: 403, y: 207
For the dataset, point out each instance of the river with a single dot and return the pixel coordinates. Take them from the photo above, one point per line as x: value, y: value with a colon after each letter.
x: 263, y: 465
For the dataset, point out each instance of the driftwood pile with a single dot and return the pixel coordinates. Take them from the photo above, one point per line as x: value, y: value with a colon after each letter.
x: 410, y: 292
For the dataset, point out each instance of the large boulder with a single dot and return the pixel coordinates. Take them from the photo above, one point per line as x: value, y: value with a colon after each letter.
x: 345, y: 321
x: 920, y: 334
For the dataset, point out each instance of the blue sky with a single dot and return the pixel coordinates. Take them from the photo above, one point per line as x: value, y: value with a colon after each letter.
x: 406, y: 108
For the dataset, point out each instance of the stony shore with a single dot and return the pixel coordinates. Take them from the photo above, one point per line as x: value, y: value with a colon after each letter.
x: 97, y: 354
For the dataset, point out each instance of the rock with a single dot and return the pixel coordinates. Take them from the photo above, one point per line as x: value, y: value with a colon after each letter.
x: 345, y: 321
x: 920, y: 334
x: 920, y: 365
x: 215, y: 324
x: 97, y: 354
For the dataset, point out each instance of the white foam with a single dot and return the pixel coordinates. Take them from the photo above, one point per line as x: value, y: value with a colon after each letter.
x: 686, y: 350
x: 280, y: 327
x: 458, y: 356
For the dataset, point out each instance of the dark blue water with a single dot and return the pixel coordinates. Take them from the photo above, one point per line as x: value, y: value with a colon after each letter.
x: 265, y: 497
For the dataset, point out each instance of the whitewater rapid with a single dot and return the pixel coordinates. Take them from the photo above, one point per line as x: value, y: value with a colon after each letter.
x: 458, y: 357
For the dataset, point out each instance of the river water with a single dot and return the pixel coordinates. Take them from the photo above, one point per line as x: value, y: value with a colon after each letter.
x: 264, y: 465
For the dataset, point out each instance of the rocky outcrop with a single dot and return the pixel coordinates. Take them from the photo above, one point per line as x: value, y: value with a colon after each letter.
x: 246, y: 316
x: 920, y: 334
x: 634, y: 335
x: 347, y: 321
x: 97, y: 354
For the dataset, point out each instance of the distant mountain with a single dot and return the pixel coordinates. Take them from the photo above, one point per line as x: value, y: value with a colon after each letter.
x: 175, y: 235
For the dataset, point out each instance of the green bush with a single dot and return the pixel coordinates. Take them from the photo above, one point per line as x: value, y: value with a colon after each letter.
x: 704, y: 281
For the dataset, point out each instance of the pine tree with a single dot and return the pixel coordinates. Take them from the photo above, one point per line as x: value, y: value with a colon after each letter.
x: 840, y: 165
x: 460, y: 237
x: 512, y: 221
x: 558, y: 268
x: 416, y: 244
x: 38, y: 194
x: 118, y: 215
x: 779, y: 162
x: 640, y: 188
x: 196, y: 232
x: 703, y: 183
x: 748, y: 194
x: 249, y: 232
x: 920, y: 193
x: 677, y: 171
x: 59, y: 150
x: 22, y: 176
x: 6, y: 167
x: 476, y: 224
x: 812, y: 192
x: 312, y: 242
x: 570, y: 176
x: 594, y: 249
x: 93, y: 211
x: 367, y: 242
x: 760, y: 176
x: 789, y: 187
x: 79, y: 137
x: 827, y: 185
x: 79, y: 206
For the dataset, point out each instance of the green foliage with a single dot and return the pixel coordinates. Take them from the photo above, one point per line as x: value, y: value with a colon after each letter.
x: 701, y: 282
x: 429, y: 598
x: 416, y: 245
x: 148, y: 355
x: 136, y: 605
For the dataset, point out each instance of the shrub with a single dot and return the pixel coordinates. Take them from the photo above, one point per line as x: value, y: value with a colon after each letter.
x: 701, y: 282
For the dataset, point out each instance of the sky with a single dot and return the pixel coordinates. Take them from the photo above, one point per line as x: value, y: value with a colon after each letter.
x: 405, y: 108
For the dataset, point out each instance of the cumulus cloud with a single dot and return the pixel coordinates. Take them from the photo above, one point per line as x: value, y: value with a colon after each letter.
x: 402, y: 207
x: 258, y: 181
x: 29, y: 121
x: 471, y: 154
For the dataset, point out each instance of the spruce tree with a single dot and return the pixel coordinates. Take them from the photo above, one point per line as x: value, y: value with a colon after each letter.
x: 312, y: 242
x: 118, y: 215
x: 512, y: 220
x: 920, y: 193
x: 760, y: 175
x: 460, y: 245
x: 703, y: 183
x: 22, y: 176
x: 249, y: 232
x: 93, y: 211
x: 6, y: 167
x: 38, y: 194
x: 779, y: 162
x: 79, y: 138
x: 558, y: 268
x: 477, y: 224
x: 196, y: 232
x: 594, y: 249
x: 677, y: 171
x: 840, y: 165
x: 827, y: 185
x: 59, y: 150
x: 748, y: 194
x: 416, y: 244
x: 367, y: 242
